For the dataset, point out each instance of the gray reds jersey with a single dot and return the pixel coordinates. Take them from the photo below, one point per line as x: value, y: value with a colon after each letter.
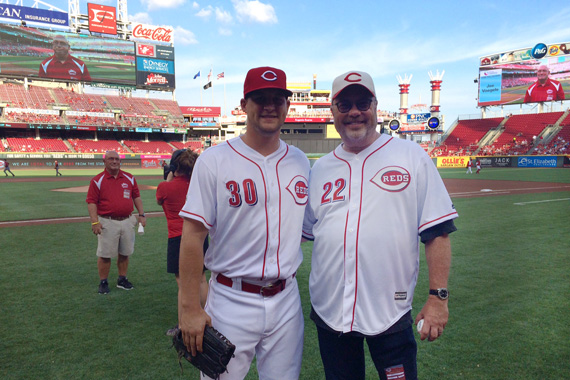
x: 365, y: 214
x: 253, y: 207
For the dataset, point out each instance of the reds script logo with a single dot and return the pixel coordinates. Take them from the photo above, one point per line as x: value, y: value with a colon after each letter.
x: 392, y: 178
x: 299, y: 189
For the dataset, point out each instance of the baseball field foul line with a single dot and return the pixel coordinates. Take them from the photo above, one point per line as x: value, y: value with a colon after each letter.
x: 543, y: 201
x: 62, y: 220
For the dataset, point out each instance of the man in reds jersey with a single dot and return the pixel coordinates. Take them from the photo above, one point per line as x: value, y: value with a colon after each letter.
x: 62, y: 65
x: 250, y: 193
x: 544, y: 89
x: 110, y: 201
x: 371, y: 201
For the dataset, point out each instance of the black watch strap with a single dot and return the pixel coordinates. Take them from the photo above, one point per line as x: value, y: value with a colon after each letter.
x: 441, y: 293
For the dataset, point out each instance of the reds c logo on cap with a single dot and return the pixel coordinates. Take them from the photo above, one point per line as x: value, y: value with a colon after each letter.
x: 350, y: 77
x: 392, y: 178
x: 269, y: 76
x: 299, y: 189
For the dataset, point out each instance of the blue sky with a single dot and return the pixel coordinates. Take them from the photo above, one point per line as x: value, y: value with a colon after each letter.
x: 327, y: 38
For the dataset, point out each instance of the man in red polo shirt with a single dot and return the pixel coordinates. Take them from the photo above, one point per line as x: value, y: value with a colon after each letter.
x: 62, y: 65
x: 110, y: 203
x: 544, y: 89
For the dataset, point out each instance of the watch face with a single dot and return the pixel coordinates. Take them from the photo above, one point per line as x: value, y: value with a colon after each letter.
x: 443, y: 293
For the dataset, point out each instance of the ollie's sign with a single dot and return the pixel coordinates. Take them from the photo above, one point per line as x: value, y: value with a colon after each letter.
x: 153, y: 33
x: 102, y: 19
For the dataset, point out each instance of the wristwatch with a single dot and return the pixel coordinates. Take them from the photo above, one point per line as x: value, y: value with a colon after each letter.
x: 441, y: 293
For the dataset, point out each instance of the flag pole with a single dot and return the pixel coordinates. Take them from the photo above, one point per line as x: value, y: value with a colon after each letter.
x: 200, y: 83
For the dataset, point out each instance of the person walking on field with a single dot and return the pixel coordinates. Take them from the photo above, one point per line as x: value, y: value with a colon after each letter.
x: 7, y: 168
x: 469, y: 166
x: 478, y: 165
x: 110, y: 200
x: 249, y: 193
x: 56, y: 166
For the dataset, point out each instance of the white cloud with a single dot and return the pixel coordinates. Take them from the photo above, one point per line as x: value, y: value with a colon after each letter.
x: 157, y: 4
x: 225, y: 32
x: 205, y: 13
x: 223, y: 16
x: 184, y: 37
x: 195, y: 5
x: 254, y: 11
x: 142, y: 17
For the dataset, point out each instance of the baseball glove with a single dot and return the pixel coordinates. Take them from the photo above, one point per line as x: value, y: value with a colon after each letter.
x: 216, y: 353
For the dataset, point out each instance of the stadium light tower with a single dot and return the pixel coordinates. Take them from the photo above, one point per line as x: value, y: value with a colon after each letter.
x: 404, y: 84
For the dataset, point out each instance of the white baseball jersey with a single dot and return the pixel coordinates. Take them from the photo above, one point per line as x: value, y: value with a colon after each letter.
x: 365, y: 213
x: 253, y: 207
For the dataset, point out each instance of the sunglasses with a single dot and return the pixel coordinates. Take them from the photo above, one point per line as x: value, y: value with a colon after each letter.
x: 263, y: 101
x: 345, y: 106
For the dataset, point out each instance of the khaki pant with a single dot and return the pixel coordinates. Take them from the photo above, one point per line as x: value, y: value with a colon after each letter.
x: 117, y: 237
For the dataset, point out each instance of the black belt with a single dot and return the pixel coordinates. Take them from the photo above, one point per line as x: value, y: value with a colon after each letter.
x: 266, y: 290
x: 114, y: 217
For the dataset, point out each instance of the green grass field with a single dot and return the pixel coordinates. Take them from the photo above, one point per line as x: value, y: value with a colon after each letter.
x: 509, y: 283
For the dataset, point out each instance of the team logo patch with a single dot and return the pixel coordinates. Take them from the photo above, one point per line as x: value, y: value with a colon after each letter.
x: 72, y: 72
x: 269, y: 76
x: 124, y: 185
x: 400, y: 296
x: 392, y: 178
x: 299, y: 189
x: 395, y: 372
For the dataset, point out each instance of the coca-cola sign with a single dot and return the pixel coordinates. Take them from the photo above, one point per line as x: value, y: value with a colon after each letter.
x: 153, y: 33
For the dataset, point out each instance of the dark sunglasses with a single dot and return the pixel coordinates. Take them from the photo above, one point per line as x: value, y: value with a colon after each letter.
x: 362, y: 105
x: 263, y: 101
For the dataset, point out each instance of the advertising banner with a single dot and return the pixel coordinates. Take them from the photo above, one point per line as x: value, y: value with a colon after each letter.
x: 452, y: 162
x: 102, y: 18
x: 155, y: 51
x: 417, y: 118
x: 26, y: 14
x: 152, y: 65
x: 153, y: 33
x: 158, y: 81
x: 201, y: 111
x: 537, y: 162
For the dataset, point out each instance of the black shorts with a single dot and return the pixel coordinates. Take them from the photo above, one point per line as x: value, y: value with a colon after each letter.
x: 173, y: 254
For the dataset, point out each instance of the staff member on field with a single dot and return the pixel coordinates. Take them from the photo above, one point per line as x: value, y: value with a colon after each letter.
x: 62, y: 65
x: 110, y: 203
x: 371, y: 201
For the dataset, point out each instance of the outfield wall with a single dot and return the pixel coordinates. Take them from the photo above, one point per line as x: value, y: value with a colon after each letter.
x: 79, y: 160
x: 147, y: 161
x: 505, y: 161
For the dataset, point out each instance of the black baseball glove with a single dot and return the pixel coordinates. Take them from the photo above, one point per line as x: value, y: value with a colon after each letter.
x: 216, y: 353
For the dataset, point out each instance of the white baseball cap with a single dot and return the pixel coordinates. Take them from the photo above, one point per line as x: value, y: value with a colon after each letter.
x: 352, y: 77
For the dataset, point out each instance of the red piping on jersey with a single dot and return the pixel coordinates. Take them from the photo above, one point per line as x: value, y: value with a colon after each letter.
x: 266, y: 217
x: 199, y: 216
x: 358, y: 225
x: 279, y: 187
x: 435, y: 220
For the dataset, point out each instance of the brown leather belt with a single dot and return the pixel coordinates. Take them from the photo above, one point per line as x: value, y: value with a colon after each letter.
x: 266, y: 291
x: 114, y: 217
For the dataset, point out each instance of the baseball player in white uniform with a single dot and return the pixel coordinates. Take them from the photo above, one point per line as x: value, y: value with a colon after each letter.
x: 371, y: 201
x: 250, y: 194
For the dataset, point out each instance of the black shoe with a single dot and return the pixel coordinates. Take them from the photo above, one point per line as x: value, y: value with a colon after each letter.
x: 104, y: 287
x: 124, y: 284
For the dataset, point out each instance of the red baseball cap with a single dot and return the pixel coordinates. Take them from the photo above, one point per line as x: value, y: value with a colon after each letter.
x: 261, y: 78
